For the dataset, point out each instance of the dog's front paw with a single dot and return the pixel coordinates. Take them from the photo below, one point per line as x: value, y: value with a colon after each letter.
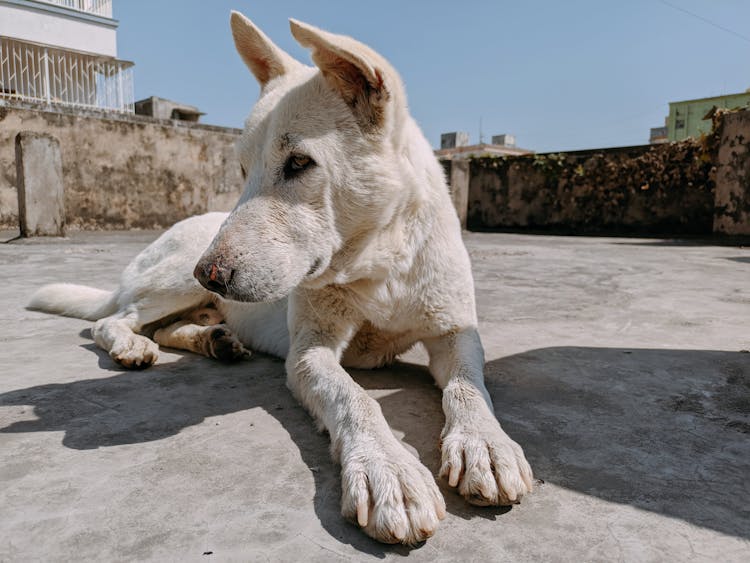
x: 486, y: 466
x: 390, y: 494
x: 135, y: 351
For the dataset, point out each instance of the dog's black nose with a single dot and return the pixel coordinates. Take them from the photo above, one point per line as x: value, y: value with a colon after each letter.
x: 214, y: 277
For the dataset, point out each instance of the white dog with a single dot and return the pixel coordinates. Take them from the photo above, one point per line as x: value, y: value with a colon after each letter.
x: 345, y: 211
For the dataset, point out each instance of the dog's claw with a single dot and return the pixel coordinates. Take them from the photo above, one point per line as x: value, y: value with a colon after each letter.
x: 392, y: 497
x: 362, y: 513
x: 486, y: 466
x: 455, y: 473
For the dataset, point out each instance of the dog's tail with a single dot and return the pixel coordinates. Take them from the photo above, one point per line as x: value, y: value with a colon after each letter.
x: 73, y: 300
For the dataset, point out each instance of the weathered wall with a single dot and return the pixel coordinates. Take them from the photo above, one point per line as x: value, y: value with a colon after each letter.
x: 644, y: 189
x: 136, y: 172
x: 457, y: 175
x: 128, y: 171
x: 696, y: 186
x: 732, y: 213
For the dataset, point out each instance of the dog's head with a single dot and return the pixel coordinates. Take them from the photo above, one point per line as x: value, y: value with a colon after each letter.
x: 319, y: 153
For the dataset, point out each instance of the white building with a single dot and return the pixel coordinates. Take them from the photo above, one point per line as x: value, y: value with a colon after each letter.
x: 63, y: 52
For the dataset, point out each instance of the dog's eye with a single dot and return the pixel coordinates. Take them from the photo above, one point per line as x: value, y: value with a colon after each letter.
x: 296, y: 164
x: 299, y: 162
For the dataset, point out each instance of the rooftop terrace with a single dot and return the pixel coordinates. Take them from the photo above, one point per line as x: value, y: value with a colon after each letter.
x: 616, y: 363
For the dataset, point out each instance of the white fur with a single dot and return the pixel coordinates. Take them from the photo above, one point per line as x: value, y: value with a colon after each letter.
x: 365, y: 243
x: 74, y: 300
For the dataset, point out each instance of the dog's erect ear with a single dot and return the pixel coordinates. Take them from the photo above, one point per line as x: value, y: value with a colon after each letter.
x: 264, y: 59
x: 361, y: 76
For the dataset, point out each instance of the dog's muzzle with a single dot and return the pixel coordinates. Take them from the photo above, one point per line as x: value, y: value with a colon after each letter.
x: 214, y: 277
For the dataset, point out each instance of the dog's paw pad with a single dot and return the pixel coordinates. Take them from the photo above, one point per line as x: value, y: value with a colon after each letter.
x: 225, y: 347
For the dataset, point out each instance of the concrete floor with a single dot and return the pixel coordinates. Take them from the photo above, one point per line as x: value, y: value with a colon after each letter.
x: 618, y: 364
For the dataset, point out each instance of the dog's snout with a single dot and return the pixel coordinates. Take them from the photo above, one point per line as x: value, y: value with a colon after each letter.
x: 214, y: 277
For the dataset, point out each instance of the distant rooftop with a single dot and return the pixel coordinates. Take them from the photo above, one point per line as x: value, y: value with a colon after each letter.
x: 482, y: 149
x: 456, y: 145
x: 161, y: 108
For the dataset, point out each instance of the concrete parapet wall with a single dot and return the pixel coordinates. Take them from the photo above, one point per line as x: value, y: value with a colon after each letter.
x: 122, y: 172
x: 732, y: 213
x: 692, y: 187
x: 457, y: 174
x: 659, y: 189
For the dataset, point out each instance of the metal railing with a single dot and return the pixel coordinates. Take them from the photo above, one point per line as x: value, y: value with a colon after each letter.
x: 99, y: 7
x: 39, y: 73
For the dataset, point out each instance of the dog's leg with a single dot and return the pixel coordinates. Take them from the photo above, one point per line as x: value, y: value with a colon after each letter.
x: 118, y: 333
x: 385, y: 489
x: 478, y: 456
x: 214, y: 341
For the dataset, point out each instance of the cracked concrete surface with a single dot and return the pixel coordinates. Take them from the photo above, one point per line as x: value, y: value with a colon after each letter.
x: 616, y: 363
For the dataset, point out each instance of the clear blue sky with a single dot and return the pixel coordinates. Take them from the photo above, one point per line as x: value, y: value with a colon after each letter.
x: 560, y: 75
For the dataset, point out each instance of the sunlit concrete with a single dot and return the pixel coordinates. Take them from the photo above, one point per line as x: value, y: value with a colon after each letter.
x: 616, y: 363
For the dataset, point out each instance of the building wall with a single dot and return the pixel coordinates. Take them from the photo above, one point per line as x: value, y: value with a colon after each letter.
x: 59, y: 27
x: 122, y: 172
x: 689, y: 114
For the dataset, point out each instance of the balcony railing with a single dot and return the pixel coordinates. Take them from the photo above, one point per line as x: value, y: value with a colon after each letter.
x: 39, y: 73
x: 98, y: 7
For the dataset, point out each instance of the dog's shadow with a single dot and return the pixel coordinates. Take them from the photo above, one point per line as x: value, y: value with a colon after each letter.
x: 132, y: 407
x: 650, y: 428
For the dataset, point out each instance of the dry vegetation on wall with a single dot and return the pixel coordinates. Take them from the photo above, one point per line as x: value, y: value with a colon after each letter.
x: 648, y: 189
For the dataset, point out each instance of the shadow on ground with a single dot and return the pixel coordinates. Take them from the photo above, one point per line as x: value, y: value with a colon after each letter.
x: 661, y: 430
x: 699, y: 240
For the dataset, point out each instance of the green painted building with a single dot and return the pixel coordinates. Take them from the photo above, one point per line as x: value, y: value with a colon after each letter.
x: 686, y: 119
